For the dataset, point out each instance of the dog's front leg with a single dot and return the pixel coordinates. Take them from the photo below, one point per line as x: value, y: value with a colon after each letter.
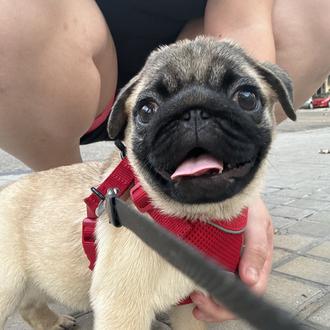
x: 123, y: 282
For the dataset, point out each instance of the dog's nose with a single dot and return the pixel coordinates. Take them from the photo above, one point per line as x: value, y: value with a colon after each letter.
x: 195, y: 114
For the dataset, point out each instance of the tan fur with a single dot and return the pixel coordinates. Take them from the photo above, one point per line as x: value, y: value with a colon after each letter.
x: 42, y: 257
x: 40, y: 233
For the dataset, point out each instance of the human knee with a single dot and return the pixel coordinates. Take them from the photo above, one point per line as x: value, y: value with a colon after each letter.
x: 46, y: 48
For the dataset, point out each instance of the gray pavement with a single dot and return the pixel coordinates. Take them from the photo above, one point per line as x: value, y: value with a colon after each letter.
x: 297, y: 192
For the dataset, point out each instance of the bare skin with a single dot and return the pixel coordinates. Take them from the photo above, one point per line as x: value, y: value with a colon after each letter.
x: 57, y: 74
x: 60, y: 70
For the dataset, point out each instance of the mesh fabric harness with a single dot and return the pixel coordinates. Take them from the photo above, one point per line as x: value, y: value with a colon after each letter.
x: 220, y: 240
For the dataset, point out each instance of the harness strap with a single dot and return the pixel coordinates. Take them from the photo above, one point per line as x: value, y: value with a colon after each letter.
x: 122, y: 178
x: 220, y: 240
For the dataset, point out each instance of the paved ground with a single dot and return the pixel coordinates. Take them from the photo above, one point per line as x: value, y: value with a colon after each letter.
x: 297, y: 192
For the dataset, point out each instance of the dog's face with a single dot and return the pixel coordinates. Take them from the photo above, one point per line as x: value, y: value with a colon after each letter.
x: 199, y: 119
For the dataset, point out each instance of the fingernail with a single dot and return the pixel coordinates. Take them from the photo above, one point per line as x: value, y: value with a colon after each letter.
x: 253, y: 274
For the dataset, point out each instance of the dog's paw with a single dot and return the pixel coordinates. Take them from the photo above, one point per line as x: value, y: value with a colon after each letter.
x: 65, y: 322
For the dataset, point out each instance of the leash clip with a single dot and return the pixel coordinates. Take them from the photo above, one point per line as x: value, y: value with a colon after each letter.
x: 110, y: 199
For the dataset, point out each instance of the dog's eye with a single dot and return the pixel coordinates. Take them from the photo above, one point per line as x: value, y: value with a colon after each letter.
x: 146, y: 111
x: 246, y: 100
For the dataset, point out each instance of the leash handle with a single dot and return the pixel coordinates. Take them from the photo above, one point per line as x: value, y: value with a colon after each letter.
x: 204, y: 272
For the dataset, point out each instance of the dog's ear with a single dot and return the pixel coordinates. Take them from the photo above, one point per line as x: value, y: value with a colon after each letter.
x: 118, y: 116
x: 281, y: 83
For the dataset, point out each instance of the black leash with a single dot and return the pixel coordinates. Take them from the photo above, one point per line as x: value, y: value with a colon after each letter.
x: 203, y: 271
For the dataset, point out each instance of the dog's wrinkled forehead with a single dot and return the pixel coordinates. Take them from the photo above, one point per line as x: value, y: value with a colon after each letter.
x: 220, y: 66
x: 211, y: 63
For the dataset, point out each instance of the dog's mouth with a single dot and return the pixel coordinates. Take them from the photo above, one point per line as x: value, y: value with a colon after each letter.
x: 199, y: 164
x: 202, y: 177
x: 206, y: 165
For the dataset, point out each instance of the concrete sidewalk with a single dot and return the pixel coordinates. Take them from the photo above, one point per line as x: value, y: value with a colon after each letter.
x: 297, y: 192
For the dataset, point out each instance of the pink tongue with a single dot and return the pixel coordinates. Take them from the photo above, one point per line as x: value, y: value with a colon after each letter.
x: 198, y: 166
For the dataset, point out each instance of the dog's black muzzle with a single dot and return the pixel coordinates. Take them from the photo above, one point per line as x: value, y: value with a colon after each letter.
x: 201, y: 122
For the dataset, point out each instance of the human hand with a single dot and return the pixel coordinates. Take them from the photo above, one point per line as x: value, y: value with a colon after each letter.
x: 254, y: 267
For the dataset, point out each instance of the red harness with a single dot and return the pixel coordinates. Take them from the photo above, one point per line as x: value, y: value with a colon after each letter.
x: 219, y: 239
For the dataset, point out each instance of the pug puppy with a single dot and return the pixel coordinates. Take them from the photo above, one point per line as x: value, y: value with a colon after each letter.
x: 198, y: 123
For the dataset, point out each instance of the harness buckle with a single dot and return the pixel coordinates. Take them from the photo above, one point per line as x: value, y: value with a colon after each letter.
x: 110, y: 205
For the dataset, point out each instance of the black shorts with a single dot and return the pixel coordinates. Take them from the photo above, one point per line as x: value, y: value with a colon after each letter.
x: 138, y: 27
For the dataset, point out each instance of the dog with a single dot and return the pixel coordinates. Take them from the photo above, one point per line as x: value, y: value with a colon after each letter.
x: 197, y: 122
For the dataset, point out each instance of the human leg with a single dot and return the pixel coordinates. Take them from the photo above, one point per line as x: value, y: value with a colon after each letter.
x: 58, y: 71
x: 301, y: 30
